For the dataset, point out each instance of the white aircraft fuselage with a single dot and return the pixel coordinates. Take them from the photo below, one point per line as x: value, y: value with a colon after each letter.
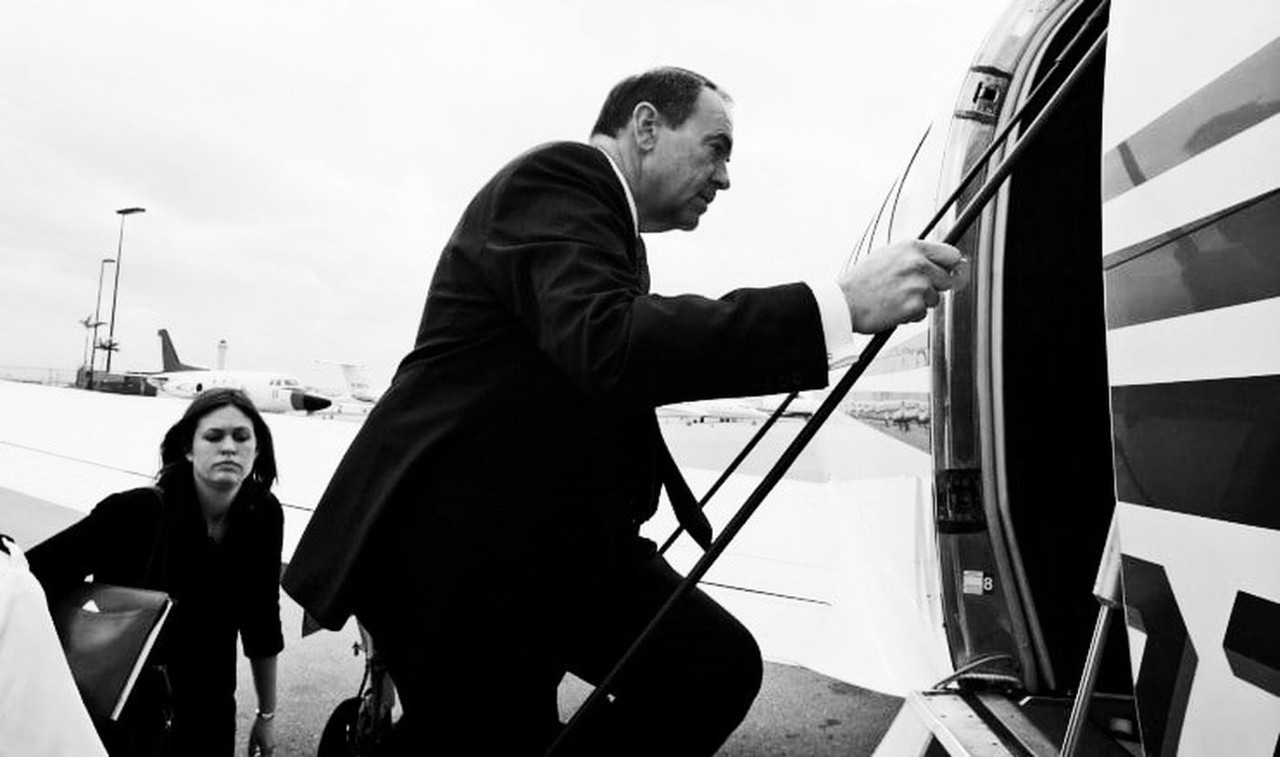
x: 1112, y: 367
x: 270, y: 392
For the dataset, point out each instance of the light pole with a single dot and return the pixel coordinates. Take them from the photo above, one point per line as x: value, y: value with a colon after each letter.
x: 97, y: 321
x: 115, y: 290
x: 87, y: 322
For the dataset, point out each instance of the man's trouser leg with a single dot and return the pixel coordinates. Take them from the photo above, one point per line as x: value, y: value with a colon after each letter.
x: 464, y: 691
x: 690, y: 686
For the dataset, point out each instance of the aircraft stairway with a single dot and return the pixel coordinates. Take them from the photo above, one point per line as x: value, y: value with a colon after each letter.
x: 996, y: 724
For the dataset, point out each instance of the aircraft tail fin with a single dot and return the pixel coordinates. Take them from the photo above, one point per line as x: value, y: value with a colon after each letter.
x: 358, y: 382
x: 169, y: 356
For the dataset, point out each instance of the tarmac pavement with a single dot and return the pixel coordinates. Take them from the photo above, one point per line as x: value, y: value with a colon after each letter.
x: 798, y: 712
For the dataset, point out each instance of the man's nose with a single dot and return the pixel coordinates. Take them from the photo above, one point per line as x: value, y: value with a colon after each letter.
x: 721, y: 176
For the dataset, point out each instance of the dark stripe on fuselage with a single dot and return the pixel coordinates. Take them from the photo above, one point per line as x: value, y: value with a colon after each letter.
x: 1206, y: 448
x: 1239, y: 99
x: 1162, y: 687
x: 1252, y: 642
x: 1229, y: 258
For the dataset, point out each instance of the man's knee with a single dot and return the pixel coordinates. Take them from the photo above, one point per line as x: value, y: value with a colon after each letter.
x: 718, y: 693
x: 743, y: 674
x: 726, y: 667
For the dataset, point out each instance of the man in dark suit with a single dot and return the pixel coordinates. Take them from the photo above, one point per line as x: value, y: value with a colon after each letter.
x: 484, y: 523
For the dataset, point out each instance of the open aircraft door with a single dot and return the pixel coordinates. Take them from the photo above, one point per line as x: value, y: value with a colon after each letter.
x: 1191, y: 261
x: 1117, y: 354
x: 1020, y: 436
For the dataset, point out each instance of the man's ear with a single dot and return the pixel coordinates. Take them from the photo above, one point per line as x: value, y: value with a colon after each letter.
x: 644, y: 125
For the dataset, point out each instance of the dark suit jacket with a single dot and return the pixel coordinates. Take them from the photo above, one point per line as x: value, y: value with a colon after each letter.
x: 524, y: 412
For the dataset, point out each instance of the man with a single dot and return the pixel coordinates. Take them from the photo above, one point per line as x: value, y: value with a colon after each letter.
x: 484, y: 524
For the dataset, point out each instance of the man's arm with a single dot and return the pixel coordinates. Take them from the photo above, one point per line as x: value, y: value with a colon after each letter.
x: 560, y: 256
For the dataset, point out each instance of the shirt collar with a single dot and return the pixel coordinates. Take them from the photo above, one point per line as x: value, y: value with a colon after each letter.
x: 626, y: 188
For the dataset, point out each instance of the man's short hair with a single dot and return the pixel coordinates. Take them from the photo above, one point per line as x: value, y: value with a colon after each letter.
x: 672, y: 91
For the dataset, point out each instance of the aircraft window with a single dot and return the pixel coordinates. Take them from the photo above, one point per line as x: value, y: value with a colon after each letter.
x: 893, y: 211
x: 869, y: 233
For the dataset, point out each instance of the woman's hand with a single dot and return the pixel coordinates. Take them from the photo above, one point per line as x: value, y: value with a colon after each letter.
x: 262, y: 737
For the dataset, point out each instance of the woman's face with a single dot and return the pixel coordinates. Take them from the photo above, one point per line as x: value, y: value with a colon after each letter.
x: 224, y: 448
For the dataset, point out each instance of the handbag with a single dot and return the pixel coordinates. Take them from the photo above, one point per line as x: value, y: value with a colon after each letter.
x: 107, y: 633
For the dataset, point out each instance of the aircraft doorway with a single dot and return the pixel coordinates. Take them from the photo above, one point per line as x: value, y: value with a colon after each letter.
x: 1049, y: 381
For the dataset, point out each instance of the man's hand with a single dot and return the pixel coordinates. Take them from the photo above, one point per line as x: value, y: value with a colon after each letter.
x: 898, y: 283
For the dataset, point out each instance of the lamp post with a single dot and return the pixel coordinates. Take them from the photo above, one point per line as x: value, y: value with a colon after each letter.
x: 87, y: 322
x: 115, y: 289
x: 97, y: 321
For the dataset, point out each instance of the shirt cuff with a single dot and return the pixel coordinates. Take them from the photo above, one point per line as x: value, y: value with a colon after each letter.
x: 837, y: 325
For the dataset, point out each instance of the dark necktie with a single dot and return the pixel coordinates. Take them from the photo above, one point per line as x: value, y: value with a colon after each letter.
x: 642, y: 265
x: 685, y: 505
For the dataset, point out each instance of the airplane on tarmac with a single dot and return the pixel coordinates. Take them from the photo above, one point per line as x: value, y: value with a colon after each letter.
x: 803, y: 406
x: 359, y: 388
x: 712, y: 410
x: 1103, y: 402
x: 358, y: 399
x: 270, y: 392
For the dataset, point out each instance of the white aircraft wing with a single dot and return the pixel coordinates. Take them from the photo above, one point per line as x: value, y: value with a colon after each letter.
x: 834, y: 571
x: 831, y: 574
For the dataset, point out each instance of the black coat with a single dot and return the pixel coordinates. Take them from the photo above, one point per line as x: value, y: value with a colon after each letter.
x: 523, y: 415
x: 139, y: 538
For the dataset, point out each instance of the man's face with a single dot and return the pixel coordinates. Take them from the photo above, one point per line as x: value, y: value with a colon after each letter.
x: 686, y: 168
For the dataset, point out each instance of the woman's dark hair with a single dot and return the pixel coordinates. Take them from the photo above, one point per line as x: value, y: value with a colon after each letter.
x: 672, y: 91
x: 177, y: 440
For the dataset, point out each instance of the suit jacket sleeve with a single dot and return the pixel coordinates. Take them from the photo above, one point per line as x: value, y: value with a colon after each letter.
x: 561, y: 251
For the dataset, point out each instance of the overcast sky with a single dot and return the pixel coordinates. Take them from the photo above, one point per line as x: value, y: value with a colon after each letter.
x: 302, y: 163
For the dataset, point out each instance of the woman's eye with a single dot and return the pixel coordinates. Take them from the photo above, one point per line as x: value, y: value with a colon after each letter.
x: 213, y: 436
x: 242, y: 436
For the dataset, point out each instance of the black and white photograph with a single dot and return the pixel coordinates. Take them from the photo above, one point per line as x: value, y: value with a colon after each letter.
x: 882, y: 378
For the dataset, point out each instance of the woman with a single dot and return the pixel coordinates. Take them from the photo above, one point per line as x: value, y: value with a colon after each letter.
x: 209, y: 533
